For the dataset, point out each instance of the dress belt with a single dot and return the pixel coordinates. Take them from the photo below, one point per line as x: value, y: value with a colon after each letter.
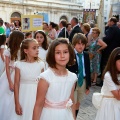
x: 61, y: 105
x: 28, y: 81
x: 105, y: 96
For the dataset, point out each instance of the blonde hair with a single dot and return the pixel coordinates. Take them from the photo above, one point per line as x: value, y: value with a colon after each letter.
x: 86, y: 27
x: 25, y: 45
x: 97, y: 30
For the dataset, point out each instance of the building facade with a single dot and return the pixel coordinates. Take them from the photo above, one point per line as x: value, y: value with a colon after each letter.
x: 11, y: 10
x: 115, y: 8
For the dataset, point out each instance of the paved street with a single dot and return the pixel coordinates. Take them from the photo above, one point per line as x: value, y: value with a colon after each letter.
x: 87, y: 110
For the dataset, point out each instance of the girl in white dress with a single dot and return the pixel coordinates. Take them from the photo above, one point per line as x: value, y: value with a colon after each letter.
x: 26, y: 78
x: 2, y: 48
x: 55, y: 92
x: 110, y: 105
x: 7, y: 78
x: 40, y: 36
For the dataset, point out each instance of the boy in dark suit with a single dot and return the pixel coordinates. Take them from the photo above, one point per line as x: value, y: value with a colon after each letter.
x: 81, y: 67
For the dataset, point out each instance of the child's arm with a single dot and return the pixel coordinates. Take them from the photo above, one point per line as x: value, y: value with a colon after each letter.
x: 72, y: 98
x: 1, y: 52
x: 40, y: 99
x: 116, y: 94
x: 18, y: 108
x: 7, y: 61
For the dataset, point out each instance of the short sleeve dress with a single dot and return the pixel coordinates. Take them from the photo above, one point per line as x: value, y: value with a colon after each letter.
x: 110, y: 107
x: 59, y: 91
x: 29, y: 73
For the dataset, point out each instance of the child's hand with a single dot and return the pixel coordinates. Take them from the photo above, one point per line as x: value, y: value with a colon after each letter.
x: 87, y: 92
x: 18, y: 109
x: 11, y: 86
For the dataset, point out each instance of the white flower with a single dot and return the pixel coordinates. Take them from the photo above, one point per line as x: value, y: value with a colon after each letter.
x: 69, y: 104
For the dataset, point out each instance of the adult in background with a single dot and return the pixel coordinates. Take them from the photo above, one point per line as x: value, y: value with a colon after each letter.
x: 112, y: 39
x: 45, y: 28
x: 86, y: 30
x: 17, y: 24
x: 95, y: 48
x: 69, y: 28
x: 118, y: 24
x: 75, y: 28
x: 2, y: 30
x: 52, y: 34
x: 63, y: 31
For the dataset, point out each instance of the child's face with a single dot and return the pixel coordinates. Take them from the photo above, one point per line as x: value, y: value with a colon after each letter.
x: 118, y: 65
x: 79, y: 47
x: 32, y: 50
x: 39, y: 38
x: 61, y: 55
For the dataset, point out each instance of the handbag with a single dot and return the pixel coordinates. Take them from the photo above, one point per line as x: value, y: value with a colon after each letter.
x: 91, y: 56
x: 97, y: 99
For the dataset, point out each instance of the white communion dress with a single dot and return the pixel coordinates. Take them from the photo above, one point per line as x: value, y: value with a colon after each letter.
x: 29, y: 73
x: 42, y: 55
x: 2, y: 64
x: 57, y: 96
x: 110, y: 107
x: 5, y: 93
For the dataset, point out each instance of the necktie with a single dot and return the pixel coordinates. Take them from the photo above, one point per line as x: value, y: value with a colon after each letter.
x: 80, y: 70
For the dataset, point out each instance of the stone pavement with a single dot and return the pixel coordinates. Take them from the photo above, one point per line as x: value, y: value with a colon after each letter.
x: 87, y: 110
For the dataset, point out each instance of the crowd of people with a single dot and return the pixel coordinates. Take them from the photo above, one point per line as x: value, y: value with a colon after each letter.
x: 45, y: 74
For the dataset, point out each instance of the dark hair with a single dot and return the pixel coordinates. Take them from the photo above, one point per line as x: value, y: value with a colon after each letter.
x: 114, y: 19
x: 67, y: 25
x: 27, y: 34
x: 111, y: 65
x: 63, y: 22
x: 19, y: 23
x: 2, y: 39
x: 1, y: 22
x: 51, y: 52
x: 45, y: 43
x: 53, y: 24
x: 79, y: 37
x: 25, y: 45
x: 75, y: 20
x: 45, y: 23
x: 16, y: 37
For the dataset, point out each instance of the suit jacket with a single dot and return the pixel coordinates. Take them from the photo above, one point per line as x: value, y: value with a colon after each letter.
x: 112, y: 38
x: 62, y: 33
x: 86, y: 65
x: 77, y: 29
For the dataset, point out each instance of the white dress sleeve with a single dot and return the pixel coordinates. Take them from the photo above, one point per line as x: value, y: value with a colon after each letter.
x: 7, y: 52
x: 45, y: 76
x: 75, y: 77
x: 109, y: 82
x: 17, y: 64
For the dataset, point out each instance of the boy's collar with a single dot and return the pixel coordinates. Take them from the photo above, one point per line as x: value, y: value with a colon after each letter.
x: 76, y: 51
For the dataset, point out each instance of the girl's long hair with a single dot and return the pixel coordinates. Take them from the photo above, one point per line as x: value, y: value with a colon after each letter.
x: 16, y: 37
x: 111, y: 65
x: 45, y: 43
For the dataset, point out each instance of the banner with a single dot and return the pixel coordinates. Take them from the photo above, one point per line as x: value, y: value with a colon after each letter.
x: 89, y: 15
x: 31, y: 22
